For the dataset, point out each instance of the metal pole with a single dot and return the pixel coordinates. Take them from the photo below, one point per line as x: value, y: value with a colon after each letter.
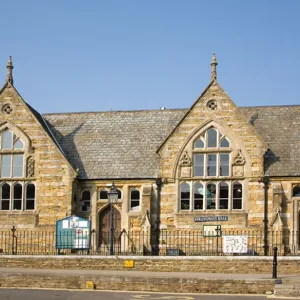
x: 275, y: 263
x: 112, y: 229
x: 266, y: 187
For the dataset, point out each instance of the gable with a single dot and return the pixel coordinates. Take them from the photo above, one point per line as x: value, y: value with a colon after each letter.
x: 15, y: 112
x: 214, y: 107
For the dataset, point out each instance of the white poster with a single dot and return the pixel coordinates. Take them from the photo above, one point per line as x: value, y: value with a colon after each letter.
x: 235, y: 244
x: 65, y: 224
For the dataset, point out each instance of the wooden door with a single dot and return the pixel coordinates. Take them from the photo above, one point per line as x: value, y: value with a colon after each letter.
x: 104, y: 227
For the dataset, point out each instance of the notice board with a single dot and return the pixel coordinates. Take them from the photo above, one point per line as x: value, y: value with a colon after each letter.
x: 73, y: 233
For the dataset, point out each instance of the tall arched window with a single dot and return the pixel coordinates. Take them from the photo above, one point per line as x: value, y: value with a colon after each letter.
x: 211, y: 155
x: 223, y: 195
x: 17, y: 197
x: 86, y: 200
x: 211, y: 196
x: 198, y: 195
x: 210, y: 186
x: 135, y: 199
x: 5, y: 196
x: 30, y: 196
x: 237, y: 192
x: 185, y: 195
x: 12, y: 155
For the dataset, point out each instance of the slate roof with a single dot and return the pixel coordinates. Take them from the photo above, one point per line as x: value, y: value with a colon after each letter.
x: 279, y: 126
x: 112, y: 145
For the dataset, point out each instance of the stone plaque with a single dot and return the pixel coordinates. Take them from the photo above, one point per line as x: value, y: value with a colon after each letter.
x: 238, y: 171
x: 185, y: 172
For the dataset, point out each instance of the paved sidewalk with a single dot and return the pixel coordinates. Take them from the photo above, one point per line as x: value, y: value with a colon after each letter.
x: 138, y: 274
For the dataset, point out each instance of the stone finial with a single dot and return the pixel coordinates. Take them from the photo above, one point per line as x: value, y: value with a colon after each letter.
x: 9, y: 77
x: 214, y: 67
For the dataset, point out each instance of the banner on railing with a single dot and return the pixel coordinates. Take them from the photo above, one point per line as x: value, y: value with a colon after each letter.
x: 235, y: 244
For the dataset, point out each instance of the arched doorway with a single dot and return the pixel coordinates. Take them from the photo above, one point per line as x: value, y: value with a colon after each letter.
x: 104, y: 229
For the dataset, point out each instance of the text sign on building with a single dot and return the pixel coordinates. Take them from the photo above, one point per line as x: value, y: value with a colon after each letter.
x: 73, y: 233
x: 211, y: 218
x: 235, y: 244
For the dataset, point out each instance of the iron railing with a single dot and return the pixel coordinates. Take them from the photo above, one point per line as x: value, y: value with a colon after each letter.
x: 158, y: 242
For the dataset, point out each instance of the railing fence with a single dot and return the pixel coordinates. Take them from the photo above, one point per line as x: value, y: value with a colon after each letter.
x: 159, y: 242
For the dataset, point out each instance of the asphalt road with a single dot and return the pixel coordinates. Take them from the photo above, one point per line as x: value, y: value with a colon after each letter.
x: 29, y: 294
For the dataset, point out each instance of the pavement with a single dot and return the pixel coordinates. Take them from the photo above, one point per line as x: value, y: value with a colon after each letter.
x: 138, y: 274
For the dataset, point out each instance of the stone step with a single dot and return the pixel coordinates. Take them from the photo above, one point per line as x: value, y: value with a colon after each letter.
x: 287, y: 290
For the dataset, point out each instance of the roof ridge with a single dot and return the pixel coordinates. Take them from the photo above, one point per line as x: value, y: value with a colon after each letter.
x: 116, y: 111
x: 156, y: 110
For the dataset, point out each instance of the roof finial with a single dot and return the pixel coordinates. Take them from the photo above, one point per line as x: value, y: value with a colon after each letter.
x: 10, y: 67
x: 214, y: 67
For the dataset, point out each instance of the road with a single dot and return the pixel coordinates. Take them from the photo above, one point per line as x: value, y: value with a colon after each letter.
x: 29, y: 294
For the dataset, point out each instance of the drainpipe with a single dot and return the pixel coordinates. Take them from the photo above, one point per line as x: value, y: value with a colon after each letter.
x: 266, y: 181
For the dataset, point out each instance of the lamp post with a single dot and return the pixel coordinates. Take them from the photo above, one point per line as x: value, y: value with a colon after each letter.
x: 112, y: 196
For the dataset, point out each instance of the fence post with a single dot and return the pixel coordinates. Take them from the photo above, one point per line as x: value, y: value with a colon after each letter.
x: 274, y: 263
x: 14, y: 238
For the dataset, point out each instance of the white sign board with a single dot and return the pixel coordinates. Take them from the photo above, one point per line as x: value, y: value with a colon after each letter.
x: 212, y: 230
x: 235, y: 244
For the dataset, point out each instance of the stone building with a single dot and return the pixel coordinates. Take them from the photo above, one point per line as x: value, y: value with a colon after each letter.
x: 213, y: 162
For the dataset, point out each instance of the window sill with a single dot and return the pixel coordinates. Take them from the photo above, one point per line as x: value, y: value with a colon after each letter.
x: 211, y: 212
x: 18, y: 212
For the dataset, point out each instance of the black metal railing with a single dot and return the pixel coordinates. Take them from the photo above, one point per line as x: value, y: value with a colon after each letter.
x: 159, y: 242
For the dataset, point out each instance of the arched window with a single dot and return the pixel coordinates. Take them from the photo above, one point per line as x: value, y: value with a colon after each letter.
x: 5, y: 196
x: 296, y: 191
x: 30, y: 196
x: 211, y: 196
x: 237, y: 192
x: 210, y: 162
x: 103, y: 195
x: 212, y: 138
x: 17, y: 197
x: 185, y: 195
x: 12, y: 160
x: 198, y: 195
x: 135, y: 199
x: 86, y: 200
x: 223, y: 195
x: 119, y: 194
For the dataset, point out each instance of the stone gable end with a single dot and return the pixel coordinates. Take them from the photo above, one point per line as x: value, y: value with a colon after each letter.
x: 49, y: 170
x: 214, y: 108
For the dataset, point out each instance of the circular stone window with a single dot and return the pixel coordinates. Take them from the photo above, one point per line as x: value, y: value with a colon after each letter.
x: 212, y: 105
x: 7, y: 109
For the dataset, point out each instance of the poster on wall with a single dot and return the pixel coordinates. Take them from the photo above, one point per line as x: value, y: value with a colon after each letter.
x: 73, y: 233
x: 235, y: 244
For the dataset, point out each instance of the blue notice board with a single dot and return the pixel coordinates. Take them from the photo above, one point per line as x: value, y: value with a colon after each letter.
x: 73, y: 233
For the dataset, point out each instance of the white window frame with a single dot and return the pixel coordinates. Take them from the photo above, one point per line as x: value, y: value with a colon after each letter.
x: 12, y: 152
x: 11, y: 198
x: 192, y: 183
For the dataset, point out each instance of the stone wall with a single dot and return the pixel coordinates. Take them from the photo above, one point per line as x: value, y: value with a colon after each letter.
x: 229, y: 265
x: 51, y: 173
x: 244, y: 139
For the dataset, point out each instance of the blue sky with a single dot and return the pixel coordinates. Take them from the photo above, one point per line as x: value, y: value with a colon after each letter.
x: 93, y: 55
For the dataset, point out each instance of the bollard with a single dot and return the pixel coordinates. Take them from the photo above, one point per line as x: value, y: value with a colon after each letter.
x: 274, y: 263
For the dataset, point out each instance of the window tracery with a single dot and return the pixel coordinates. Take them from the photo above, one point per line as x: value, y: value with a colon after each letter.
x: 209, y: 185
